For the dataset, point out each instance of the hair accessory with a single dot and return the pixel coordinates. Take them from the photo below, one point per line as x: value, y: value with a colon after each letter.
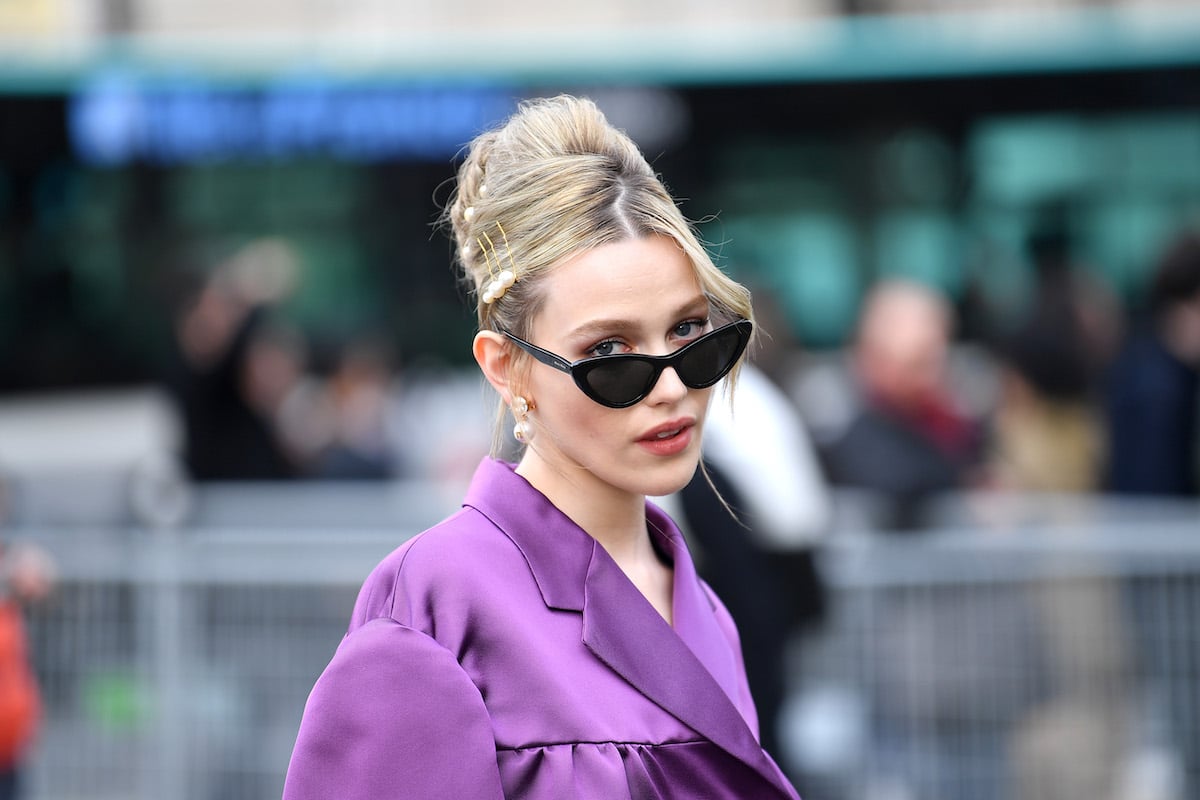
x: 469, y: 212
x: 482, y: 189
x: 502, y: 278
x: 522, y: 431
x: 489, y: 294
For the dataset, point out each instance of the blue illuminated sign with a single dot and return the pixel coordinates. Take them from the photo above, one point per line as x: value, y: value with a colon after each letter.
x: 116, y: 120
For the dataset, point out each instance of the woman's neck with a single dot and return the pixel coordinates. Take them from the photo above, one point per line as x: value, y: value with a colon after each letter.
x: 614, y: 518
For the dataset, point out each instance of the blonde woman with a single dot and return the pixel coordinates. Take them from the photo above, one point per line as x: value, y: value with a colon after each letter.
x: 552, y: 640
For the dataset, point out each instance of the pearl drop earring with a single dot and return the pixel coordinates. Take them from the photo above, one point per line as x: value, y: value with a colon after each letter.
x: 522, y: 431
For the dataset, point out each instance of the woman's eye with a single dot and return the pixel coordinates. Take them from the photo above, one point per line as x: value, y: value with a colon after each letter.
x: 690, y: 329
x: 606, y: 348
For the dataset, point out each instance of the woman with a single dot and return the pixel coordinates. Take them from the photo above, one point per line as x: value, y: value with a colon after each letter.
x: 551, y: 640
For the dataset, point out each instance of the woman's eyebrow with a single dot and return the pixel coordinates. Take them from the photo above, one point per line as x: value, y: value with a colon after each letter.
x: 601, y: 327
x: 698, y: 307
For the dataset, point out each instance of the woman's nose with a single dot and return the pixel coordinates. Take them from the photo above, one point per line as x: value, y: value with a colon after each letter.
x: 668, y: 388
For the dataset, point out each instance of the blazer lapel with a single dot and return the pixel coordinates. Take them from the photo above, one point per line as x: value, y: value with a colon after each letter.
x: 625, y: 632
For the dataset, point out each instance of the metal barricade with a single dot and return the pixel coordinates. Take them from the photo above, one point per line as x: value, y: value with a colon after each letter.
x: 1047, y: 660
x: 175, y: 663
x: 992, y: 662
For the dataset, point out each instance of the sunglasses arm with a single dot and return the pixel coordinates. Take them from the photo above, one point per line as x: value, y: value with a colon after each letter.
x: 543, y: 356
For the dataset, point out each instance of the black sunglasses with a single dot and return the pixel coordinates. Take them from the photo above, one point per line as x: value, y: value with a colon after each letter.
x: 624, y: 379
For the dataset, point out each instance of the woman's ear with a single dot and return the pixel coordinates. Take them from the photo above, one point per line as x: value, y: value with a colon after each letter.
x: 494, y: 357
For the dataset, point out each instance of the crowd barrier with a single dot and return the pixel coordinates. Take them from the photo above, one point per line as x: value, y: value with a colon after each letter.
x: 1004, y: 656
x: 1028, y: 656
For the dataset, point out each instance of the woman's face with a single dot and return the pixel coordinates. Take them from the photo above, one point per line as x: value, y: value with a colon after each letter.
x: 634, y: 296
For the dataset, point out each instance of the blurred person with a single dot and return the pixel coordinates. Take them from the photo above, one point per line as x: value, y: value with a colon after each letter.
x: 1072, y: 739
x: 236, y: 367
x: 1053, y: 662
x: 1153, y: 389
x: 552, y: 639
x: 1153, y: 425
x: 230, y: 409
x: 1068, y: 297
x: 908, y: 439
x: 1048, y: 437
x: 1047, y: 433
x: 356, y: 444
x: 27, y: 575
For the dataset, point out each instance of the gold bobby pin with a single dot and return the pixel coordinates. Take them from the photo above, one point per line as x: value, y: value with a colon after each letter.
x: 487, y: 257
x: 508, y: 252
x: 505, y: 277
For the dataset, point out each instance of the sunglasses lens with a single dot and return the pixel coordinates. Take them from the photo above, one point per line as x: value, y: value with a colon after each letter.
x: 619, y: 382
x: 710, y: 358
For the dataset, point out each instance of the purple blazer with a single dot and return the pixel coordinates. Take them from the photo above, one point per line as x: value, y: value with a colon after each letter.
x: 504, y: 654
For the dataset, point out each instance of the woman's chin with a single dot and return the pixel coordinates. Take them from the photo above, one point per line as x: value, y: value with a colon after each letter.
x: 665, y: 481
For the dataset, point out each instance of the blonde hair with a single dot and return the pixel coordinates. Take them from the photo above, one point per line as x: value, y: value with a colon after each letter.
x: 554, y: 180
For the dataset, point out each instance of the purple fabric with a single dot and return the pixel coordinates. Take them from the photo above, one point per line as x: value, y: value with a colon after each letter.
x: 503, y: 654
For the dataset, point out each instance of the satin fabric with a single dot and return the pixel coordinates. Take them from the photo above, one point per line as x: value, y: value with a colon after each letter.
x: 504, y: 654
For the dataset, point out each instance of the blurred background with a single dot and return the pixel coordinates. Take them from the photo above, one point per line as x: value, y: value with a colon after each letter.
x: 235, y: 371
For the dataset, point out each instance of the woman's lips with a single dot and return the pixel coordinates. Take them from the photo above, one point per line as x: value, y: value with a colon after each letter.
x: 668, y: 439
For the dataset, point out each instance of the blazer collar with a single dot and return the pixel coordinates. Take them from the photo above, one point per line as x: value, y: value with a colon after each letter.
x: 688, y: 671
x: 557, y: 550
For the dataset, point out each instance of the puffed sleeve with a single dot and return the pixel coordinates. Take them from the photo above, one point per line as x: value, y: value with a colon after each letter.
x: 393, y: 716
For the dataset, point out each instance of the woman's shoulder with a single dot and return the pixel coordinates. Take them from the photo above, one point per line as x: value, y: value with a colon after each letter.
x: 455, y: 539
x: 458, y: 558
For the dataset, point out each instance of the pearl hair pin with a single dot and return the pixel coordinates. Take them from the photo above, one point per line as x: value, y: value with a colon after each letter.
x: 502, y: 279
